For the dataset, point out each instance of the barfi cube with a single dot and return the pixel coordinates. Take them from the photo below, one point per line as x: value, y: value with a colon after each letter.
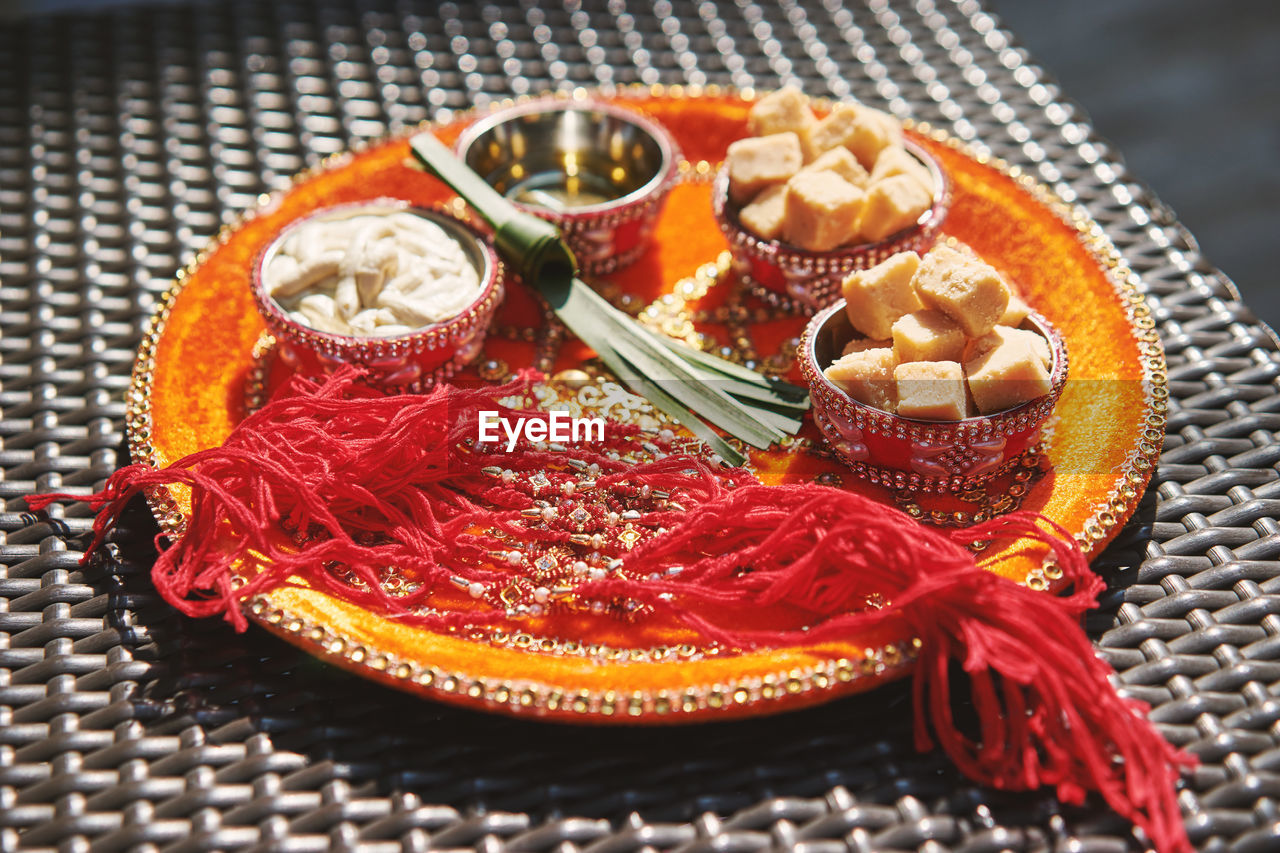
x: 864, y: 344
x: 877, y: 297
x: 866, y: 376
x: 930, y: 390
x: 1007, y: 375
x: 829, y: 132
x: 1015, y: 313
x: 766, y: 213
x: 857, y: 128
x: 1001, y: 335
x: 843, y: 163
x: 964, y: 288
x: 892, y: 205
x: 784, y: 110
x: 927, y: 336
x: 892, y: 126
x: 760, y: 162
x: 896, y: 161
x: 821, y: 209
x: 872, y: 133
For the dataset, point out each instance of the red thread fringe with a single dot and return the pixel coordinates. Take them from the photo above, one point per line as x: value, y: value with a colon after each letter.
x: 378, y: 481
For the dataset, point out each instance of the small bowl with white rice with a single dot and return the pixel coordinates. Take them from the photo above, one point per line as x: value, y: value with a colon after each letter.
x: 406, y: 293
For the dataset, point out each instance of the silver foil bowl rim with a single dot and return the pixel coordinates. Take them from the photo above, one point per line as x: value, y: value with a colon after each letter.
x: 552, y: 110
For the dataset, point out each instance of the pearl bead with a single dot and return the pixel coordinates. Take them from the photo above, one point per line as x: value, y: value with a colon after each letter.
x: 645, y: 491
x: 613, y: 518
x: 476, y: 589
x: 597, y: 574
x: 541, y: 594
x: 567, y: 488
x: 548, y: 513
x: 513, y: 558
x: 579, y: 567
x: 666, y: 435
x: 536, y: 610
x: 508, y: 475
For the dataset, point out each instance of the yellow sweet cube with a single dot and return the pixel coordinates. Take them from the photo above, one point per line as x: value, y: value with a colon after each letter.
x: 964, y: 288
x: 873, y: 133
x: 784, y: 110
x: 843, y: 163
x: 821, y: 210
x: 1001, y: 335
x: 1007, y: 375
x: 761, y: 161
x: 866, y: 376
x: 892, y: 126
x: 828, y: 132
x: 864, y: 344
x: 1016, y: 312
x: 931, y: 390
x: 766, y: 213
x: 877, y: 297
x: 927, y: 336
x: 860, y: 129
x: 892, y: 205
x: 897, y: 161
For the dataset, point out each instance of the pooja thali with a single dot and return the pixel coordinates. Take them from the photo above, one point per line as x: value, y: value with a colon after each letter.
x: 206, y: 362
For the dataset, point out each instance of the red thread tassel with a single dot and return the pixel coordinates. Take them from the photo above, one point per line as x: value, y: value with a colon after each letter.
x: 377, y: 481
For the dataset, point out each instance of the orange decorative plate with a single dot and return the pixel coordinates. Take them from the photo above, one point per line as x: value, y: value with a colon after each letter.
x: 205, y: 361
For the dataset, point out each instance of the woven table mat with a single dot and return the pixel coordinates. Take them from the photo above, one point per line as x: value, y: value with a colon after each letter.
x: 127, y: 139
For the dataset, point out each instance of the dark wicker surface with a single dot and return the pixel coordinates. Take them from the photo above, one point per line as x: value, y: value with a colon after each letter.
x: 126, y: 139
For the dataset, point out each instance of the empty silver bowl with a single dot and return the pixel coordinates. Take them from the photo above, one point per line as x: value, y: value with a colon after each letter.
x: 598, y: 171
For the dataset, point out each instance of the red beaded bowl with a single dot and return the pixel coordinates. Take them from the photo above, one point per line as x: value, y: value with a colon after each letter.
x: 806, y: 280
x: 553, y: 145
x: 905, y: 453
x: 411, y: 362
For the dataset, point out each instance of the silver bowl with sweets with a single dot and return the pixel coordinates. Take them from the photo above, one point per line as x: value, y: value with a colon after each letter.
x: 405, y: 293
x: 804, y: 201
x: 930, y: 376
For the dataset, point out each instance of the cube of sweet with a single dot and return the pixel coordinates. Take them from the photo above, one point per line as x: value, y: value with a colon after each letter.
x: 897, y: 161
x: 866, y: 376
x: 877, y: 297
x: 1001, y: 335
x: 927, y: 336
x: 778, y: 112
x: 855, y: 127
x: 1015, y: 313
x: 761, y: 161
x: 873, y: 133
x: 892, y: 126
x: 1007, y: 375
x: 864, y: 344
x: 843, y: 163
x: 964, y: 288
x: 828, y: 132
x: 931, y: 390
x: 892, y: 205
x: 821, y: 210
x: 766, y: 213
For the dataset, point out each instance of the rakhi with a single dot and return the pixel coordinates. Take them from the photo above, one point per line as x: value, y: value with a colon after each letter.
x: 328, y: 483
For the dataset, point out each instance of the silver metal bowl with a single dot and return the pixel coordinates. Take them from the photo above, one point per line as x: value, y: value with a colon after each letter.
x: 598, y: 171
x: 412, y: 362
